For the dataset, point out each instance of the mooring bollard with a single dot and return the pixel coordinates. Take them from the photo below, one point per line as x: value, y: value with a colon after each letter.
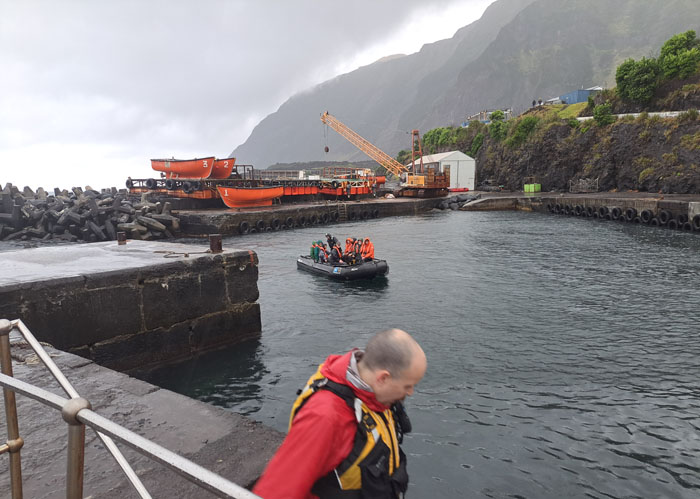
x: 215, y: 243
x: 121, y: 238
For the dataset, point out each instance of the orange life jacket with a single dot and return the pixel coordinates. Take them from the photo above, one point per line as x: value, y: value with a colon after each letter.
x: 367, y: 249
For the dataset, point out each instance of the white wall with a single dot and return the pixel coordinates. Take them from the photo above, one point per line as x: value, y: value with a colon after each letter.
x: 462, y: 174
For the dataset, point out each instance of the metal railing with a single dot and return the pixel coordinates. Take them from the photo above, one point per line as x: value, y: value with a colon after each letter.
x: 76, y: 411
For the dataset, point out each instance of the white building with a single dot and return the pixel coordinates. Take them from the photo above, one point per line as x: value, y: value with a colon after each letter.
x: 462, y: 168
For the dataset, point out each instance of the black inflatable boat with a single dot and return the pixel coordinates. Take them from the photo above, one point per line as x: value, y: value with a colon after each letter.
x: 343, y: 271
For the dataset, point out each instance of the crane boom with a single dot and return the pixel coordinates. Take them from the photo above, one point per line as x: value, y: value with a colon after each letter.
x: 364, y: 145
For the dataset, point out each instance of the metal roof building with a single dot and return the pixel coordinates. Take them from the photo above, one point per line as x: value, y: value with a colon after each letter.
x: 462, y: 168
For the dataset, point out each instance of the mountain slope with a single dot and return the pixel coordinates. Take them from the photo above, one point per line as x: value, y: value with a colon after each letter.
x: 371, y: 99
x: 518, y: 51
x: 555, y: 46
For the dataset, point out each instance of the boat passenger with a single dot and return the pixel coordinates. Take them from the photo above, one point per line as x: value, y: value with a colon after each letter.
x: 358, y: 246
x: 349, y: 253
x: 322, y: 252
x: 367, y: 250
x: 336, y: 255
x: 313, y: 252
x: 332, y: 241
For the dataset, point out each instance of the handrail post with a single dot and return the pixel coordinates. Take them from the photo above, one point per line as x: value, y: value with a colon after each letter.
x: 14, y: 442
x: 76, y: 447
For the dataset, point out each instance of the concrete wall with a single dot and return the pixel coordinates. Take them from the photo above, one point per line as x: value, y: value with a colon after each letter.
x: 126, y: 307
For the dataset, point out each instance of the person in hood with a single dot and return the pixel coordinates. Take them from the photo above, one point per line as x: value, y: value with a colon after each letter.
x: 347, y: 424
x: 332, y: 241
x: 367, y: 250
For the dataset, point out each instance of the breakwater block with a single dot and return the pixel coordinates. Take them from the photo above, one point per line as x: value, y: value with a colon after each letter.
x: 226, y: 443
x: 136, y: 305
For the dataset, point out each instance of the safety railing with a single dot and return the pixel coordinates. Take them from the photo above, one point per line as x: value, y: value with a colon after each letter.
x: 76, y: 411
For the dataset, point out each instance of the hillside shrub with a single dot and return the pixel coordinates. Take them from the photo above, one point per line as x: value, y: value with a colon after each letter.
x: 670, y: 158
x: 602, y: 114
x: 637, y: 80
x: 497, y: 130
x: 523, y: 129
x: 403, y: 156
x: 476, y: 145
x: 498, y: 115
x: 691, y: 142
x: 688, y: 116
x: 573, y: 123
x: 645, y: 174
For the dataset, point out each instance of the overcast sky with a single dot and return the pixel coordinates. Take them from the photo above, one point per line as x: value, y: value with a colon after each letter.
x: 91, y: 90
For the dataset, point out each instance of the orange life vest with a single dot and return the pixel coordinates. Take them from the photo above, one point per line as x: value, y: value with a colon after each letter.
x: 368, y: 249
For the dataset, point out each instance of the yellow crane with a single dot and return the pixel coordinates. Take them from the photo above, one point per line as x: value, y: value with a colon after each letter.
x: 431, y: 185
x: 364, y: 145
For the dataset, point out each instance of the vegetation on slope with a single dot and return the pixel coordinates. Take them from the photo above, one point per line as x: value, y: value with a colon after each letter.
x: 644, y: 153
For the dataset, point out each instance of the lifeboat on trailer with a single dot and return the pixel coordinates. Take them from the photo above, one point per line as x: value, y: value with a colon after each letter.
x: 184, y: 168
x: 244, y: 197
x: 223, y: 168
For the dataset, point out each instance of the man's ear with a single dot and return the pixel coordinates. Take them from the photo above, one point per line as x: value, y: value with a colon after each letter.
x: 383, y: 376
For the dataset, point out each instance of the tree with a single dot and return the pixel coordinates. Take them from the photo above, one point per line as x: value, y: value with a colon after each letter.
x: 637, y: 80
x: 682, y: 65
x: 679, y: 43
x: 498, y: 115
x: 680, y: 55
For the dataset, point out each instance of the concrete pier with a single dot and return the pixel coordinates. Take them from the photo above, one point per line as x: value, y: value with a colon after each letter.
x: 135, y: 305
x: 226, y: 443
x: 675, y: 207
x: 228, y: 221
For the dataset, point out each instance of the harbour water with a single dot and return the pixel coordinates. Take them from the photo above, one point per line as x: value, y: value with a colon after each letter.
x: 564, y: 353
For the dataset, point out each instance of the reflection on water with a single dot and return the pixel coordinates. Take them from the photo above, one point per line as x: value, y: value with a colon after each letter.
x: 227, y: 378
x: 563, y: 353
x: 322, y: 284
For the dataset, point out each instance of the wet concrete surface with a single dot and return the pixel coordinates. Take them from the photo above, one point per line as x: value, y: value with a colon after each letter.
x: 229, y: 444
x: 53, y: 262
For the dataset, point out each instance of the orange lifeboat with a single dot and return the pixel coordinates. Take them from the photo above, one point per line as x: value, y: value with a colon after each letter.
x: 223, y: 168
x: 184, y: 168
x: 242, y: 197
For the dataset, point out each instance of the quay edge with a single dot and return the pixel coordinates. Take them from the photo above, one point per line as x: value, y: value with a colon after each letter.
x: 675, y: 205
x: 228, y: 221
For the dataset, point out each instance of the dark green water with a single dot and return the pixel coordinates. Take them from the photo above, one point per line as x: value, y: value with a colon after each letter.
x: 564, y: 353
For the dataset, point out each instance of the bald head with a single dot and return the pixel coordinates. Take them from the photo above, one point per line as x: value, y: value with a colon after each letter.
x: 393, y: 350
x: 392, y: 364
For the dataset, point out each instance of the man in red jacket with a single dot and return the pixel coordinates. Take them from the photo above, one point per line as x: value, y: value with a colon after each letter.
x: 347, y: 423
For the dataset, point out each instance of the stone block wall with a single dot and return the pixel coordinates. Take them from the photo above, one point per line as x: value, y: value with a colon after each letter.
x: 157, y: 309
